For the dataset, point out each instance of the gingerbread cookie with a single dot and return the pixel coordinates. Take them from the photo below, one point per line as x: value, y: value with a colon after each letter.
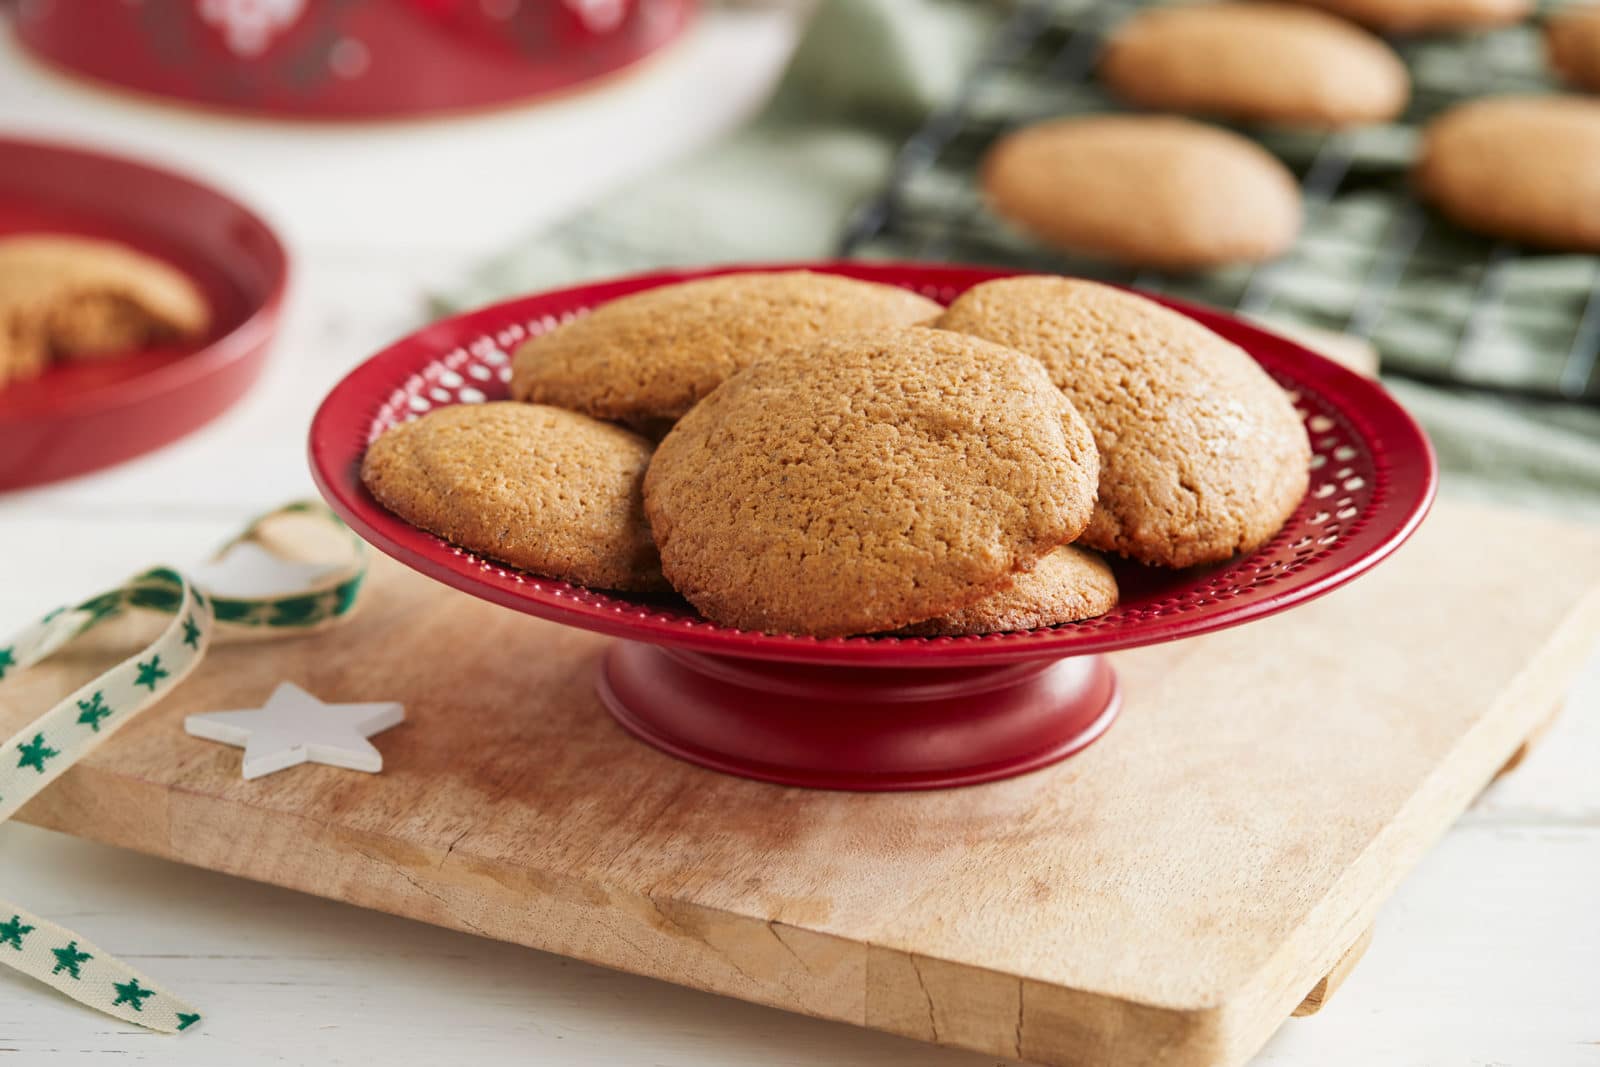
x: 1521, y: 167
x: 1259, y: 62
x: 1148, y: 190
x: 1201, y: 454
x: 67, y: 297
x: 1416, y: 16
x: 870, y: 482
x: 1064, y: 586
x: 646, y: 359
x: 1572, y: 41
x: 546, y: 490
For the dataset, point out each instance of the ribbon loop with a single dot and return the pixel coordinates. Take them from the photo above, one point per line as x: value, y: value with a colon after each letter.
x: 44, y: 749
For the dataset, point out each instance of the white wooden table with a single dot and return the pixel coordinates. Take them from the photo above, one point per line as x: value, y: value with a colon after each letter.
x: 1487, y: 955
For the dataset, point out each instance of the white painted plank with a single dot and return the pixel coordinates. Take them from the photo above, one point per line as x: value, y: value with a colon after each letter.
x: 1559, y: 784
x: 47, y: 561
x: 286, y: 978
x: 1485, y: 956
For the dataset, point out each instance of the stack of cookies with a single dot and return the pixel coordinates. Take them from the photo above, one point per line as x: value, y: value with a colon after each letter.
x: 810, y: 454
x: 1163, y: 190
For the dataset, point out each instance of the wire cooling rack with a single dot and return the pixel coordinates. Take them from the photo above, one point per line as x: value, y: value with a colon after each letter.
x: 1438, y: 303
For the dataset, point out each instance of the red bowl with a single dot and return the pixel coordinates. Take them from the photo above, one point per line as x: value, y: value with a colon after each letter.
x: 354, y: 59
x: 78, y: 417
x: 886, y: 712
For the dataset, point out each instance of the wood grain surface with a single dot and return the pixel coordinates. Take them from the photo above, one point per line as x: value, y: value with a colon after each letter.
x: 1167, y: 897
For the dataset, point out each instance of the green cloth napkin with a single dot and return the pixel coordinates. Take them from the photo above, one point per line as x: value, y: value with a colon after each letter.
x: 869, y: 71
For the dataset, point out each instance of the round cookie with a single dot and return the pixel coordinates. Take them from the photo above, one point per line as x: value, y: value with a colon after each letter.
x: 1066, y: 585
x: 1260, y: 62
x: 647, y: 358
x: 874, y: 481
x: 1572, y: 42
x: 1521, y: 167
x: 1148, y: 190
x: 546, y: 490
x: 1415, y: 16
x: 80, y: 298
x: 1201, y: 453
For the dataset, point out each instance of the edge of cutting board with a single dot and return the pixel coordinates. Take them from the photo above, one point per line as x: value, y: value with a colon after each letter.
x: 799, y: 964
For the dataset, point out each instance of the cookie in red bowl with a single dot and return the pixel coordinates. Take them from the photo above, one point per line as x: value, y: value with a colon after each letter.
x: 202, y: 247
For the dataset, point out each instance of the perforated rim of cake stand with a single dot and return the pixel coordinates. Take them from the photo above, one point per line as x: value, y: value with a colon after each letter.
x: 1373, y: 479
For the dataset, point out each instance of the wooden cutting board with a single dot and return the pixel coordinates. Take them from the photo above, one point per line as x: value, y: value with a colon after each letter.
x: 1169, y: 896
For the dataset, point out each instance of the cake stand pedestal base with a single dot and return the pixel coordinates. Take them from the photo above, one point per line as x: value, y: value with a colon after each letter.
x: 858, y: 728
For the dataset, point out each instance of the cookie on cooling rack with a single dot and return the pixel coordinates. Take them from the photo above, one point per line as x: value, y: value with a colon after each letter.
x: 1201, y: 453
x: 1146, y: 190
x: 1261, y: 62
x: 1415, y: 16
x: 647, y: 358
x: 874, y: 481
x: 1066, y: 585
x: 546, y: 490
x: 1572, y: 41
x: 1521, y: 167
x: 67, y: 297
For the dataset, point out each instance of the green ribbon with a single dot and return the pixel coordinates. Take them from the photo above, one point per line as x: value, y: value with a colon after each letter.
x: 41, y: 751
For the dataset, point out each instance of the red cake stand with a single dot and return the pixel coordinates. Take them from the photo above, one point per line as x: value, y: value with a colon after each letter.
x: 79, y: 417
x: 880, y: 713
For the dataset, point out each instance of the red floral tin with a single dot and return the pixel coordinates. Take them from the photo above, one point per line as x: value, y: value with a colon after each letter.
x: 348, y: 59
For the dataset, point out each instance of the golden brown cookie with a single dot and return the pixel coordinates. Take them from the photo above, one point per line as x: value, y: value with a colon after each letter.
x: 77, y: 298
x: 1066, y: 585
x: 873, y: 481
x: 1415, y: 16
x: 1572, y: 41
x: 1201, y: 453
x: 546, y: 490
x: 646, y: 359
x: 1145, y: 189
x: 1522, y: 167
x: 1261, y: 62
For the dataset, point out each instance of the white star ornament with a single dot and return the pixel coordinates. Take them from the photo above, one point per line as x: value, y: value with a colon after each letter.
x: 294, y: 727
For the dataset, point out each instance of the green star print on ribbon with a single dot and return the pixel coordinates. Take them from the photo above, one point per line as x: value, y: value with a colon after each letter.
x: 42, y: 750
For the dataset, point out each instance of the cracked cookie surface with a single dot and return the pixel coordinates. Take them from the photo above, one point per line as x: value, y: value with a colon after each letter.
x: 1065, y: 585
x: 874, y: 481
x: 647, y: 358
x: 546, y: 490
x: 1202, y: 455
